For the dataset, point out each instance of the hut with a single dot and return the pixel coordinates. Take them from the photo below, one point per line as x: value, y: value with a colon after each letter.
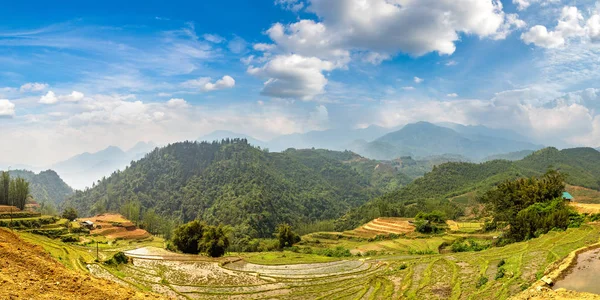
x: 567, y: 197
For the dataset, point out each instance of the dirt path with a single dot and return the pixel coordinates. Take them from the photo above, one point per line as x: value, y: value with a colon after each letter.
x: 28, y: 272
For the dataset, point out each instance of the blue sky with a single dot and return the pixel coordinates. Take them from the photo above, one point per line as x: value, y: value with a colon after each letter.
x: 78, y: 76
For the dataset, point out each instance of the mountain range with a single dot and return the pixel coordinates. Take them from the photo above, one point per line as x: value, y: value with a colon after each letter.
x: 424, y: 139
x: 83, y: 170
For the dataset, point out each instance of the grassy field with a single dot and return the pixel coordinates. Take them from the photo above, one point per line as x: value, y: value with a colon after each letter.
x: 409, y: 266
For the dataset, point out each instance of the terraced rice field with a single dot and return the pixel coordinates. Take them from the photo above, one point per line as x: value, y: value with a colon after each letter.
x: 438, y: 276
x: 115, y: 226
x: 383, y: 226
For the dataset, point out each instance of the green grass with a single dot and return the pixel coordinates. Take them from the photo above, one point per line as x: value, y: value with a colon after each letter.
x: 433, y: 276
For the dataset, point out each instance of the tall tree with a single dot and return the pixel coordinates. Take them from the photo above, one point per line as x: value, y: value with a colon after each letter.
x: 19, y: 191
x: 4, y: 188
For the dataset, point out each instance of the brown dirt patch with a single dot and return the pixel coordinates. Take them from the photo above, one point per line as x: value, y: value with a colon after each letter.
x: 28, y: 272
x: 7, y: 208
x: 115, y: 226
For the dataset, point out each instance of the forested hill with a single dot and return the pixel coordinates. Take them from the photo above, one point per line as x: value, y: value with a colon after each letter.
x: 46, y: 186
x: 233, y: 183
x: 444, y: 182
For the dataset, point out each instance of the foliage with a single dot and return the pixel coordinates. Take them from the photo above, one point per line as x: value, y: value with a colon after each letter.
x: 117, y: 259
x: 500, y: 273
x: 214, y: 242
x: 70, y: 214
x: 69, y: 239
x: 286, y: 236
x: 482, y: 281
x: 232, y: 183
x: 432, y: 222
x: 531, y: 206
x: 45, y: 187
x: 187, y: 237
x: 467, y: 245
x: 13, y: 192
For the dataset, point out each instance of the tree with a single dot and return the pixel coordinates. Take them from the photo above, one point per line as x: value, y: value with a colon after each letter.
x: 286, y: 236
x: 4, y: 188
x: 531, y: 206
x: 214, y: 241
x: 69, y: 214
x: 19, y: 191
x: 151, y: 221
x: 187, y: 236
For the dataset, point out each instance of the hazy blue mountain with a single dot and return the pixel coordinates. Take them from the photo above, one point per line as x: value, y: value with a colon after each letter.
x: 333, y: 139
x: 83, y: 170
x: 224, y: 134
x: 424, y: 139
x: 46, y: 186
x: 474, y: 131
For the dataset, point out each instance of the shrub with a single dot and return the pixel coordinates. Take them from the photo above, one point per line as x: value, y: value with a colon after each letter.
x: 402, y: 267
x: 501, y: 263
x: 500, y: 273
x: 70, y: 214
x: 465, y: 245
x: 187, y: 236
x: 117, y: 259
x: 286, y: 236
x: 69, y: 239
x: 482, y: 281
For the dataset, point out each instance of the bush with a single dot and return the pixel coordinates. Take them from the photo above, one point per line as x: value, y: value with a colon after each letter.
x: 576, y: 220
x: 466, y: 245
x: 70, y: 214
x: 69, y: 239
x: 482, y: 281
x: 500, y: 273
x: 214, y: 241
x: 186, y: 237
x: 402, y: 267
x: 117, y: 259
x: 286, y: 236
x: 501, y: 263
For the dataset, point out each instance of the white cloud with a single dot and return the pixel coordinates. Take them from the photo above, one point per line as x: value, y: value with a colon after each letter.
x: 374, y: 31
x: 75, y: 96
x: 33, y: 87
x: 177, y: 103
x: 568, y: 27
x: 52, y: 98
x: 418, y: 80
x: 293, y: 76
x: 7, y: 108
x: 291, y: 5
x: 237, y: 45
x: 408, y: 88
x: 214, y: 38
x: 524, y: 4
x: 226, y: 82
x: 593, y: 28
x: 452, y: 95
x: 204, y: 84
x: 49, y: 98
x: 451, y: 63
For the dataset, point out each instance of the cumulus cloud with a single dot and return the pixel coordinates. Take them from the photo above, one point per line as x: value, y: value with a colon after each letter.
x: 177, y: 103
x: 293, y: 76
x: 52, y: 98
x: 7, y: 108
x: 570, y: 26
x: 49, y: 98
x: 375, y: 31
x: 418, y: 80
x: 33, y: 87
x: 204, y: 84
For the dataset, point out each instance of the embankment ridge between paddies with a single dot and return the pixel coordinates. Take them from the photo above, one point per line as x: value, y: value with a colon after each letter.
x: 115, y: 226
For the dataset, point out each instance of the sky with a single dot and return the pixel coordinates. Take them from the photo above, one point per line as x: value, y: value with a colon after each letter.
x: 78, y: 76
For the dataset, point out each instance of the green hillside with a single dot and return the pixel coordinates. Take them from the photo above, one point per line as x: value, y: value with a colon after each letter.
x: 46, y: 186
x: 236, y: 184
x: 434, y: 191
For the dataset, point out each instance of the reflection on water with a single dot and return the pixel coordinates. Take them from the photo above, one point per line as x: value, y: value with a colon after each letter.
x: 585, y: 275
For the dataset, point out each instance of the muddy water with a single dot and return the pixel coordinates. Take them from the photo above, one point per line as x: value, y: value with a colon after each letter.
x: 585, y: 275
